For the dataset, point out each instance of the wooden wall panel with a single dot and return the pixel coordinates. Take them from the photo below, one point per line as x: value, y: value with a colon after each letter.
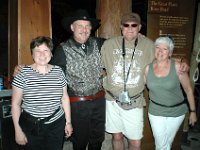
x: 34, y: 20
x: 110, y: 12
x: 27, y: 19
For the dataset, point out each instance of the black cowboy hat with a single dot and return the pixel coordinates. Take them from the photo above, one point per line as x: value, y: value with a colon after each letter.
x: 79, y: 14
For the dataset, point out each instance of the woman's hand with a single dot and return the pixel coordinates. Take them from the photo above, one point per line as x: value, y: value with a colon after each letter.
x: 20, y: 137
x: 193, y: 118
x: 68, y: 129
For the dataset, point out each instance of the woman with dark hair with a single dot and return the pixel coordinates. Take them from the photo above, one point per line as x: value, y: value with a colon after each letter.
x: 40, y: 103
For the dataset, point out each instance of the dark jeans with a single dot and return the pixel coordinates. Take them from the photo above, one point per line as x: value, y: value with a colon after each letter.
x: 50, y: 137
x: 88, y: 121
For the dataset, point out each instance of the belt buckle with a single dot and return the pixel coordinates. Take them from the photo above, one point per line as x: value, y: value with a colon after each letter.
x: 123, y: 103
x: 82, y: 98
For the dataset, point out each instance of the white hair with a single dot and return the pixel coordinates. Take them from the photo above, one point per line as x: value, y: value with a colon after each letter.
x: 165, y: 40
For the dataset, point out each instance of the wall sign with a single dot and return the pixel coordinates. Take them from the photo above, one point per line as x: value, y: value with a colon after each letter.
x: 175, y: 18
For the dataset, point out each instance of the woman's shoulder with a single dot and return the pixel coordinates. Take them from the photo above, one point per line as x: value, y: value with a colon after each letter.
x: 27, y: 68
x: 176, y: 63
x: 56, y: 67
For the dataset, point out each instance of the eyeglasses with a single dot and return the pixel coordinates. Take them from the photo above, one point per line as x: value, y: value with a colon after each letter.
x: 128, y: 25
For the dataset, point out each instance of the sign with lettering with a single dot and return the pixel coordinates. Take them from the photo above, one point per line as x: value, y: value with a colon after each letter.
x: 174, y: 18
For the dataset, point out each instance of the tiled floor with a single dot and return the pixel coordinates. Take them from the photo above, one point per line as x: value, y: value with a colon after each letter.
x: 193, y: 137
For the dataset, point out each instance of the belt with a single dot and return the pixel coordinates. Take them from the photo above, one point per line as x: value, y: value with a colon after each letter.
x: 183, y: 102
x: 34, y: 120
x: 87, y: 98
x: 116, y: 98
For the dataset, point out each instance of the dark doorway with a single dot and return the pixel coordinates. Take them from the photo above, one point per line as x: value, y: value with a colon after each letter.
x: 3, y: 36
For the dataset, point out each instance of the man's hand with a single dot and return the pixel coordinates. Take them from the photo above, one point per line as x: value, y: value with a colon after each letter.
x: 17, y: 70
x: 184, y: 67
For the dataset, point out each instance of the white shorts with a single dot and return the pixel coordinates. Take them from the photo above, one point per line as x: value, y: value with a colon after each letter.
x: 129, y: 122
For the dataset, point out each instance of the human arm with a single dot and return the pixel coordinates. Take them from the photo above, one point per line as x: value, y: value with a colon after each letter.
x: 17, y: 93
x: 145, y: 74
x: 186, y: 84
x: 67, y: 110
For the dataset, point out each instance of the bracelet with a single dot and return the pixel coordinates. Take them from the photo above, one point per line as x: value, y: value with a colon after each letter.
x: 67, y: 123
x: 192, y: 110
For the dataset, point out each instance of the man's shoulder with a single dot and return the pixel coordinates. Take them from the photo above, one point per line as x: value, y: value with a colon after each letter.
x: 98, y: 39
x: 64, y: 44
x: 114, y: 39
x: 145, y: 39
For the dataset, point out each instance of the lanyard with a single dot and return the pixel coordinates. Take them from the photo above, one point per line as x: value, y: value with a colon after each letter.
x: 123, y: 54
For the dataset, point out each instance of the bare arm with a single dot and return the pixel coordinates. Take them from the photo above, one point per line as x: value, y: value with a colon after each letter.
x: 186, y: 84
x: 145, y: 74
x: 67, y: 110
x: 17, y: 93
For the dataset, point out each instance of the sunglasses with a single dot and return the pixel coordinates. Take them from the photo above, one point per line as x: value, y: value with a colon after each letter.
x: 128, y: 25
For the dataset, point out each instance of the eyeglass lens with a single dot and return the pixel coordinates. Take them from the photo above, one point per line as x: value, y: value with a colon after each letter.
x: 128, y: 25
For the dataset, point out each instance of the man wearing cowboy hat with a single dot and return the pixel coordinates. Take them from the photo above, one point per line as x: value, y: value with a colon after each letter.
x: 80, y: 59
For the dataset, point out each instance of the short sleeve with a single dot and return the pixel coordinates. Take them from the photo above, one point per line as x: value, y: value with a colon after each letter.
x: 18, y: 80
x: 63, y: 78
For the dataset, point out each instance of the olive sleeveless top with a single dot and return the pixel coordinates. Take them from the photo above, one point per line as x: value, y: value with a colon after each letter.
x: 165, y: 93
